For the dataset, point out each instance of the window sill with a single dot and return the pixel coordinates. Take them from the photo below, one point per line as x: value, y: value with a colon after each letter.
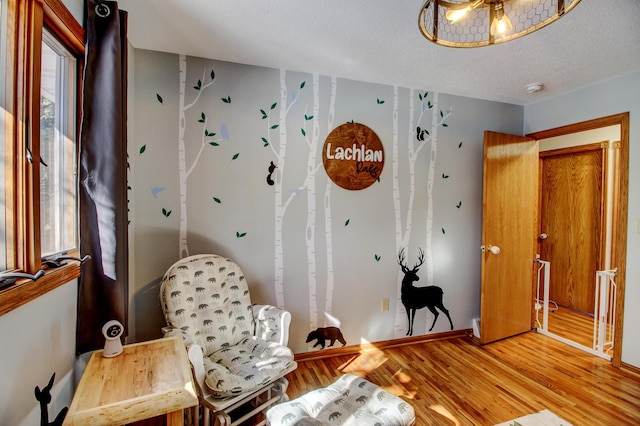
x: 25, y: 290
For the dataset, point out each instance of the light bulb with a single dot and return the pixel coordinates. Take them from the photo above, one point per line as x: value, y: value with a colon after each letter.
x: 454, y: 15
x: 501, y: 25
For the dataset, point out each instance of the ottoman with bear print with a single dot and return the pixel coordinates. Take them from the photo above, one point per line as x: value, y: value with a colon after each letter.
x: 350, y: 400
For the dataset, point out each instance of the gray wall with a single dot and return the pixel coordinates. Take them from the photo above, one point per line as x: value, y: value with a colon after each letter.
x: 328, y: 266
x: 610, y: 97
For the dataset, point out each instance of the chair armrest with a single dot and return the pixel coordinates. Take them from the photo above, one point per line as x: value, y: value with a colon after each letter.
x: 272, y: 324
x: 195, y: 354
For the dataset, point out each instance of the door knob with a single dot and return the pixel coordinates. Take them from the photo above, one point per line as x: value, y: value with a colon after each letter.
x: 492, y: 249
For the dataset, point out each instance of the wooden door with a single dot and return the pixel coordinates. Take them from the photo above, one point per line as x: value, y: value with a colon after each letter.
x: 509, y: 221
x: 571, y: 216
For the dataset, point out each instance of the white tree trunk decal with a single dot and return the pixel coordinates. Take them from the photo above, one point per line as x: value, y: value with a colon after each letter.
x: 328, y: 304
x: 183, y: 172
x: 310, y: 184
x: 280, y: 208
x: 430, y: 182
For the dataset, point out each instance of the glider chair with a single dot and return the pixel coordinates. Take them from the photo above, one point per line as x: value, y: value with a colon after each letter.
x: 237, y: 350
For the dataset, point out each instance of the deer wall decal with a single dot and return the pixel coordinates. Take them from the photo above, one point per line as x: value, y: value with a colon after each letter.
x: 414, y: 298
x: 44, y: 398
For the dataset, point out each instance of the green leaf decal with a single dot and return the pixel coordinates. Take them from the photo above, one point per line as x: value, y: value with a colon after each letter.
x: 429, y: 105
x: 217, y: 200
x: 308, y: 117
x: 275, y: 126
x: 425, y: 94
x: 212, y: 143
x: 213, y: 75
x: 460, y: 145
x: 235, y: 156
x: 266, y: 142
x: 143, y: 148
x: 303, y: 132
x: 441, y: 114
x: 420, y: 96
x: 198, y: 85
x: 264, y: 114
x: 209, y: 134
x: 459, y: 204
x: 443, y: 231
x: 159, y: 98
x: 445, y: 125
x: 240, y: 235
x: 166, y: 212
x: 302, y: 85
x: 347, y: 222
x: 226, y: 100
x: 273, y: 105
x: 202, y: 118
x: 379, y: 101
x: 377, y: 258
x: 445, y: 176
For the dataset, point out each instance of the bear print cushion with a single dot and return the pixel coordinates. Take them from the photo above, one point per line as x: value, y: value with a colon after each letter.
x: 350, y: 400
x: 246, y: 366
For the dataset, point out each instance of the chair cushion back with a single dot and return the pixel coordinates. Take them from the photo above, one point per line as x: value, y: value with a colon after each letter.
x: 207, y: 297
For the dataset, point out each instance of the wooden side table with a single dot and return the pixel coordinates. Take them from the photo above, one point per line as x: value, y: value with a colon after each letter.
x: 148, y: 379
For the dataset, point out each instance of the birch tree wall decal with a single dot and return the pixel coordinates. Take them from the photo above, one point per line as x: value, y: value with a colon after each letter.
x: 279, y: 202
x: 310, y: 184
x: 437, y: 120
x: 328, y: 304
x: 417, y: 133
x: 183, y: 171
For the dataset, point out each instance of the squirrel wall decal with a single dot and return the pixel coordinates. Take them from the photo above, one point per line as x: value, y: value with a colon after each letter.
x: 272, y: 168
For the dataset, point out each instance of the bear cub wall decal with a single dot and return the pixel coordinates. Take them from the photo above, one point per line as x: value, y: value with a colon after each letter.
x: 326, y: 333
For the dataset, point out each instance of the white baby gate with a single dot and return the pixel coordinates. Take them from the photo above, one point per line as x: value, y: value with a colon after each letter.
x: 603, y: 316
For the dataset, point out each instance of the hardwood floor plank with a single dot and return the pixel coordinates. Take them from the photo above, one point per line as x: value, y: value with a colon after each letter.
x: 454, y: 382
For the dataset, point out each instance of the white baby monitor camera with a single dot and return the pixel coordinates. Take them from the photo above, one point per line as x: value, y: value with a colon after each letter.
x: 112, y: 331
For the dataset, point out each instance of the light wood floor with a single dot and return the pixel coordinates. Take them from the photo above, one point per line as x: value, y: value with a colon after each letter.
x: 455, y: 382
x: 572, y: 325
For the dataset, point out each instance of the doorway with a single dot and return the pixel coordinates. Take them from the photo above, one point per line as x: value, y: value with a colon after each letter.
x: 583, y: 184
x: 510, y: 227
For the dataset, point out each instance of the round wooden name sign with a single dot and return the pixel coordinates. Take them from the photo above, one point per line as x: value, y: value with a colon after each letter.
x: 353, y: 156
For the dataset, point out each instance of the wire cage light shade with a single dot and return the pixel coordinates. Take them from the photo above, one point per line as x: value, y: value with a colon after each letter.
x: 475, y: 23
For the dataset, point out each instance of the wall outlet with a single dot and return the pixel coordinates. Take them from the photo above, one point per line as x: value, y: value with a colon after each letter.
x: 385, y: 305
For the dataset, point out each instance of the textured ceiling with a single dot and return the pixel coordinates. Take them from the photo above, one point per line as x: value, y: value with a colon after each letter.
x: 379, y: 41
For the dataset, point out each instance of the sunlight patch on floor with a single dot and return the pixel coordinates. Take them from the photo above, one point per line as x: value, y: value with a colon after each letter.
x: 371, y: 359
x: 444, y: 413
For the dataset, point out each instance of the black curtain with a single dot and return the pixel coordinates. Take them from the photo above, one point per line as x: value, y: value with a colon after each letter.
x: 103, y: 289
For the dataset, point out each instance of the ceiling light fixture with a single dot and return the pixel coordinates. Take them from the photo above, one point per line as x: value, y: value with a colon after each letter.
x: 475, y: 23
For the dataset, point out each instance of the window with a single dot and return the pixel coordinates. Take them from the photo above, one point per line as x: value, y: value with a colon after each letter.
x: 57, y: 149
x: 41, y: 47
x: 5, y: 236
